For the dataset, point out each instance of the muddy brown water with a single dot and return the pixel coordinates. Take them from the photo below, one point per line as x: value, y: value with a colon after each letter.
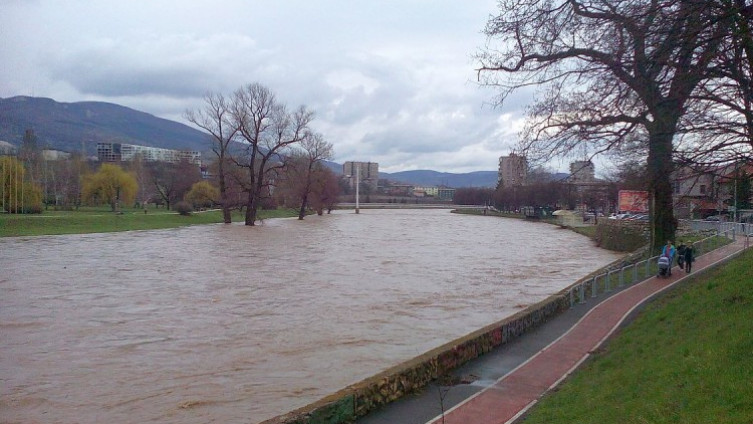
x: 233, y: 324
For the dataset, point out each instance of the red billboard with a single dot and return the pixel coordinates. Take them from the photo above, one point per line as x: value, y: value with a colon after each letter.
x: 633, y: 201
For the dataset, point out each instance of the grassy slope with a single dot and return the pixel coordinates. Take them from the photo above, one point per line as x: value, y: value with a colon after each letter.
x: 101, y: 220
x: 686, y: 359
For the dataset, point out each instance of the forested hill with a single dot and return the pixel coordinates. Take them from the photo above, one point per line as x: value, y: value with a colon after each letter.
x: 75, y: 126
x: 68, y: 126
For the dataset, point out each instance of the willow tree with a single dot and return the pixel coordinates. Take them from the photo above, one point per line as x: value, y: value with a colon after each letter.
x: 111, y: 185
x: 610, y: 73
x: 17, y: 195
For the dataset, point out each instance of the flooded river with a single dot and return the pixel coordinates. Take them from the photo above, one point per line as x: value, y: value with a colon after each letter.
x: 235, y: 324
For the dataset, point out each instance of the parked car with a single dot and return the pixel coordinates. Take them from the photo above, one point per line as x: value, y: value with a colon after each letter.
x: 714, y: 218
x: 620, y: 216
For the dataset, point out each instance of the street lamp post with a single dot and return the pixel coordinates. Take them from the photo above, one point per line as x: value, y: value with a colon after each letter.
x: 358, y: 185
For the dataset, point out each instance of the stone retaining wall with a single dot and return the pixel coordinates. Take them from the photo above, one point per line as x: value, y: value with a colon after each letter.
x: 370, y: 394
x: 622, y: 235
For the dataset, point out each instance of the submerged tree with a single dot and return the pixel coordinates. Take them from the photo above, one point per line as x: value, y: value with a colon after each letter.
x: 269, y: 131
x: 216, y: 118
x: 325, y: 190
x: 307, y: 163
x: 612, y: 73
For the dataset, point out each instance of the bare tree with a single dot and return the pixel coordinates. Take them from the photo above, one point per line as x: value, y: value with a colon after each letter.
x: 140, y: 169
x: 269, y: 131
x: 612, y: 72
x: 173, y: 180
x: 722, y: 111
x: 314, y: 149
x: 326, y: 190
x: 215, y: 118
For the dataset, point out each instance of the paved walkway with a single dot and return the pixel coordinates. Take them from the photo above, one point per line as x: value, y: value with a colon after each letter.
x: 506, y: 398
x: 517, y: 391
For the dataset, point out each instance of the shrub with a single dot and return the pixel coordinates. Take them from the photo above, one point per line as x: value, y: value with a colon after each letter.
x: 184, y: 208
x: 202, y: 195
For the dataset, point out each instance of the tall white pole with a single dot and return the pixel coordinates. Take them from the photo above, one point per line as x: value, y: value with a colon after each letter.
x: 358, y: 184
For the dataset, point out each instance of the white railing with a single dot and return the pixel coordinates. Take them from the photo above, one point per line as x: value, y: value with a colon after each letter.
x: 739, y: 228
x: 632, y: 273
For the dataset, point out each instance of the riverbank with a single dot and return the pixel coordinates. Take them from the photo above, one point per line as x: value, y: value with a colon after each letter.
x: 684, y: 359
x: 514, y: 390
x: 102, y: 220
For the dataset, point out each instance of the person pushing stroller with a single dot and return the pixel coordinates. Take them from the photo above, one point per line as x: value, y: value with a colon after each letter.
x: 668, y: 252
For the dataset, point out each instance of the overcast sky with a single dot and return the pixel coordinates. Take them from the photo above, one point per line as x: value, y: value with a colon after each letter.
x: 391, y: 82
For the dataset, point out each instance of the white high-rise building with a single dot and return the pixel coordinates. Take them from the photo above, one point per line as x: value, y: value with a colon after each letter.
x: 117, y: 152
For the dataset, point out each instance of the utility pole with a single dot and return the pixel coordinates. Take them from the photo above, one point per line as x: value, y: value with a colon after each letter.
x: 737, y: 175
x: 358, y: 184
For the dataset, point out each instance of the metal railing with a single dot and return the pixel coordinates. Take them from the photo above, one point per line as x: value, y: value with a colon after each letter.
x: 721, y: 227
x: 632, y: 273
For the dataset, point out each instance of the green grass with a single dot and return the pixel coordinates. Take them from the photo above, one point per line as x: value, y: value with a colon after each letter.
x: 99, y: 220
x: 685, y: 359
x: 588, y: 231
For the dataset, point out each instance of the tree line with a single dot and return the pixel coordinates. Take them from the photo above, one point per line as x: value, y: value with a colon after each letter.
x: 28, y: 185
x: 266, y: 156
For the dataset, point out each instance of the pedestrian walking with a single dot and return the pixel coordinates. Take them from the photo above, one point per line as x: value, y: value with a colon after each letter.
x: 681, y: 255
x: 689, y: 258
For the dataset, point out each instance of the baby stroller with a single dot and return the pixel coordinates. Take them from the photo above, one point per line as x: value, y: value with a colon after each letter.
x: 663, y: 266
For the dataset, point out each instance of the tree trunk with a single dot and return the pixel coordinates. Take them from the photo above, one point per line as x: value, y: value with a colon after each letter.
x: 251, y: 209
x: 660, y: 168
x: 223, y: 193
x: 302, y: 211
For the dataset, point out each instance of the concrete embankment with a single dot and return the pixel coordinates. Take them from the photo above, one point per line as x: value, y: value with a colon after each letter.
x: 368, y: 395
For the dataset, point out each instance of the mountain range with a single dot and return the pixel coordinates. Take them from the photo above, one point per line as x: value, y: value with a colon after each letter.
x: 80, y: 126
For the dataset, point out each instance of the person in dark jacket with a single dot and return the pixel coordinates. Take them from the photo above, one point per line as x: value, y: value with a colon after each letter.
x: 688, y: 255
x: 681, y: 255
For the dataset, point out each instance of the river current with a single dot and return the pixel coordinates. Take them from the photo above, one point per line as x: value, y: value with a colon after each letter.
x: 235, y: 324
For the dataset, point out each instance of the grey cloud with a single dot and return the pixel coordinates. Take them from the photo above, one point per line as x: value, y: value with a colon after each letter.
x: 177, y: 66
x: 391, y: 85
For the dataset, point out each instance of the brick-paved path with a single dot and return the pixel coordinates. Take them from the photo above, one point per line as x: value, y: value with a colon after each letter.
x: 513, y: 394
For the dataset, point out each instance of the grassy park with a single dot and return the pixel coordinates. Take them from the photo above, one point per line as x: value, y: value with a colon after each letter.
x: 685, y: 359
x: 101, y: 220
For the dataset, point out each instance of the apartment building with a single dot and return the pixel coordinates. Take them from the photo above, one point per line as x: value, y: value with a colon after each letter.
x: 513, y: 170
x: 367, y: 172
x: 121, y: 152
